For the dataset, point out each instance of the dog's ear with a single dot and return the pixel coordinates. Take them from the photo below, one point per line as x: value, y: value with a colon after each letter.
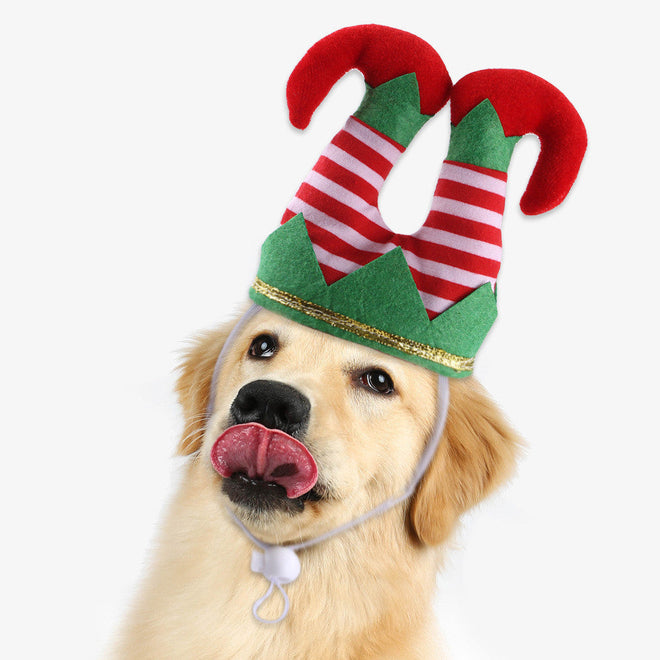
x: 194, y: 384
x: 476, y: 454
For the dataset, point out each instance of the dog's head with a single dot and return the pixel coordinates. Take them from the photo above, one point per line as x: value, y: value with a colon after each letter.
x: 363, y: 416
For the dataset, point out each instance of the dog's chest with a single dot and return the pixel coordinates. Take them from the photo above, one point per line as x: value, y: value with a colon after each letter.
x: 335, y: 613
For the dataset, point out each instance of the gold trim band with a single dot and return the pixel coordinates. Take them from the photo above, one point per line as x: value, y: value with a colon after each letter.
x: 408, y: 346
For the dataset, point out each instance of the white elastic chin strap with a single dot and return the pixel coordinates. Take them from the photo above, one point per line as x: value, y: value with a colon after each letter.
x: 279, y: 564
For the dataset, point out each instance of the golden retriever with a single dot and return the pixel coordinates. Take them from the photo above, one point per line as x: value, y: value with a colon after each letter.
x: 365, y: 593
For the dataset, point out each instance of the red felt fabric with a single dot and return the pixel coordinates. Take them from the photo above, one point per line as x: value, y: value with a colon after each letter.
x: 526, y: 103
x: 381, y: 53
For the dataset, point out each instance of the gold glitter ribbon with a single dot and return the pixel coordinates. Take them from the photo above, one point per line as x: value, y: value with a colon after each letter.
x: 336, y: 320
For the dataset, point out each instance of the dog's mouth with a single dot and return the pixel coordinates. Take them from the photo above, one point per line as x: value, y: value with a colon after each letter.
x: 265, y: 469
x: 264, y: 496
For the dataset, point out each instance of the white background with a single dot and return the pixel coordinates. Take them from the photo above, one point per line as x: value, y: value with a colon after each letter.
x: 145, y: 153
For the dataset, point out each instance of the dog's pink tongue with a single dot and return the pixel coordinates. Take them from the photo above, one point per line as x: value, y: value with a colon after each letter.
x: 266, y: 454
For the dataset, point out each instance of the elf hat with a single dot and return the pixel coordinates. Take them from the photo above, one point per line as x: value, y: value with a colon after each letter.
x: 427, y: 297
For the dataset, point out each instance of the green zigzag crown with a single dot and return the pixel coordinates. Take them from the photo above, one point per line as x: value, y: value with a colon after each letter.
x: 381, y: 295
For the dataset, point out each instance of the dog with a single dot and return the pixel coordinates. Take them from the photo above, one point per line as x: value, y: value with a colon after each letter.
x: 314, y: 461
x: 365, y: 418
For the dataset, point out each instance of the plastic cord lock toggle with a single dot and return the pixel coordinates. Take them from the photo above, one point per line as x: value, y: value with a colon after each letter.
x: 280, y: 565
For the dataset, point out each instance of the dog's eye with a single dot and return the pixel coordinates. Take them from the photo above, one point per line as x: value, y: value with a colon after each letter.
x: 263, y: 346
x: 378, y: 381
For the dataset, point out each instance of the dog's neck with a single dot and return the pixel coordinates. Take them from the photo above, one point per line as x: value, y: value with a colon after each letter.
x: 338, y: 579
x: 339, y: 576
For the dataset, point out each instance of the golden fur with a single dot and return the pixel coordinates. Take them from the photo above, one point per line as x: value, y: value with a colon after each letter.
x: 363, y: 594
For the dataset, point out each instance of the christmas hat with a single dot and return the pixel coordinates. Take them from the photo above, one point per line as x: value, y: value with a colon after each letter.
x: 427, y: 297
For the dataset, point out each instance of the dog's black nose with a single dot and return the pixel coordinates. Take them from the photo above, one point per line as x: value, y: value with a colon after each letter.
x: 273, y: 404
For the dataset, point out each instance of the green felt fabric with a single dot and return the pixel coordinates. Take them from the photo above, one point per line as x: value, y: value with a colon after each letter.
x: 381, y: 294
x: 393, y: 109
x: 479, y: 139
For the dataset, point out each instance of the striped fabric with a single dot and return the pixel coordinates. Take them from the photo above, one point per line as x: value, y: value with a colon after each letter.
x: 456, y: 250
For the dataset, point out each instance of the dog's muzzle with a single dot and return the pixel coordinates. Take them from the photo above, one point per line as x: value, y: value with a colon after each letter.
x: 266, y: 456
x: 259, y: 450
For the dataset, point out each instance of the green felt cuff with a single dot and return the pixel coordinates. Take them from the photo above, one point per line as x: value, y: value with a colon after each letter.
x: 393, y: 109
x: 479, y: 139
x: 381, y: 295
